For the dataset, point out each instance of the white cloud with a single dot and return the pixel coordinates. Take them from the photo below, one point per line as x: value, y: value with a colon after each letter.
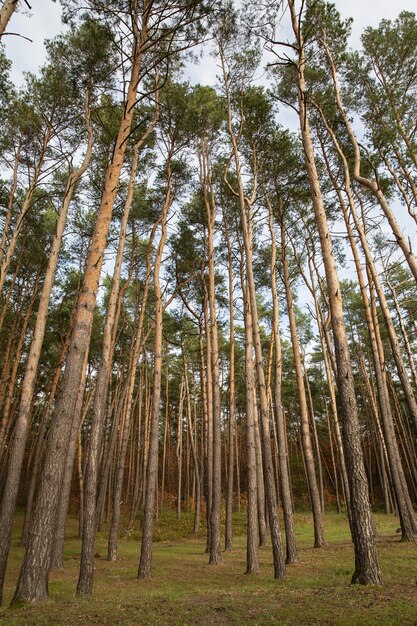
x: 370, y: 13
x: 42, y: 22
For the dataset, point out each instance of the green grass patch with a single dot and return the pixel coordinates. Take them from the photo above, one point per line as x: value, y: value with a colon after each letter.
x: 185, y: 590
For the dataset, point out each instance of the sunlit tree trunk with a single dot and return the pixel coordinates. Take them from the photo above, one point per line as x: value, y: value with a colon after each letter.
x: 252, y: 536
x: 291, y: 548
x: 33, y: 579
x: 31, y: 369
x: 85, y: 581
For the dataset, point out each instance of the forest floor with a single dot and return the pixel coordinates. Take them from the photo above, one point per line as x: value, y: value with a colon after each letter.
x: 185, y: 590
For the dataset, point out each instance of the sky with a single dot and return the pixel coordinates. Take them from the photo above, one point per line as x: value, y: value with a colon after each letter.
x: 43, y: 22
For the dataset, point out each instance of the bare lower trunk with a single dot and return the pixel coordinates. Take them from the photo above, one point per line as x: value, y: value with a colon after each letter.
x: 400, y: 488
x: 57, y: 553
x: 179, y: 448
x: 85, y: 581
x: 210, y: 206
x: 252, y: 552
x: 193, y: 450
x: 164, y: 449
x: 232, y: 417
x: 246, y: 220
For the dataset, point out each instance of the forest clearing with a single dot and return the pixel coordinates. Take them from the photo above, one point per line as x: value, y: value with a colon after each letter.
x: 185, y: 591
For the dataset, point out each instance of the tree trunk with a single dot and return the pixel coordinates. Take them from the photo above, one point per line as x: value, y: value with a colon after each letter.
x: 313, y: 489
x: 28, y: 384
x: 408, y: 523
x: 252, y: 541
x: 86, y: 574
x: 291, y: 548
x: 144, y: 570
x: 6, y: 13
x: 193, y: 451
x: 57, y: 552
x: 246, y: 220
x: 366, y: 561
x: 215, y: 556
x: 179, y: 448
x: 33, y: 579
x: 232, y: 401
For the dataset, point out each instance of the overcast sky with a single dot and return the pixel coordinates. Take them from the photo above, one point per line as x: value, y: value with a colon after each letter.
x: 43, y: 22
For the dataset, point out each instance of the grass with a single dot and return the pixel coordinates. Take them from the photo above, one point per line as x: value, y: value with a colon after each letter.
x: 185, y: 590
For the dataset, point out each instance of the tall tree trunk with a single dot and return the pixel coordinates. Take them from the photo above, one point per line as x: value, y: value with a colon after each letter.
x: 193, y: 451
x: 57, y: 552
x: 246, y: 215
x: 164, y: 448
x: 232, y: 400
x: 86, y: 574
x: 215, y: 556
x: 329, y: 377
x: 366, y: 561
x: 144, y: 570
x: 291, y: 548
x: 134, y: 358
x: 402, y: 497
x: 252, y: 552
x: 209, y: 420
x: 28, y: 385
x: 313, y: 489
x: 260, y: 490
x: 108, y: 454
x: 40, y: 438
x: 33, y: 579
x: 179, y: 448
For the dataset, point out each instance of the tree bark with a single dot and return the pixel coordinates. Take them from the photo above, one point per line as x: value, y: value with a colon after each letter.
x: 246, y: 220
x: 252, y: 552
x: 86, y: 574
x: 313, y: 490
x: 33, y: 579
x: 6, y: 12
x: 144, y: 570
x: 366, y: 561
x: 232, y: 400
x: 28, y: 385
